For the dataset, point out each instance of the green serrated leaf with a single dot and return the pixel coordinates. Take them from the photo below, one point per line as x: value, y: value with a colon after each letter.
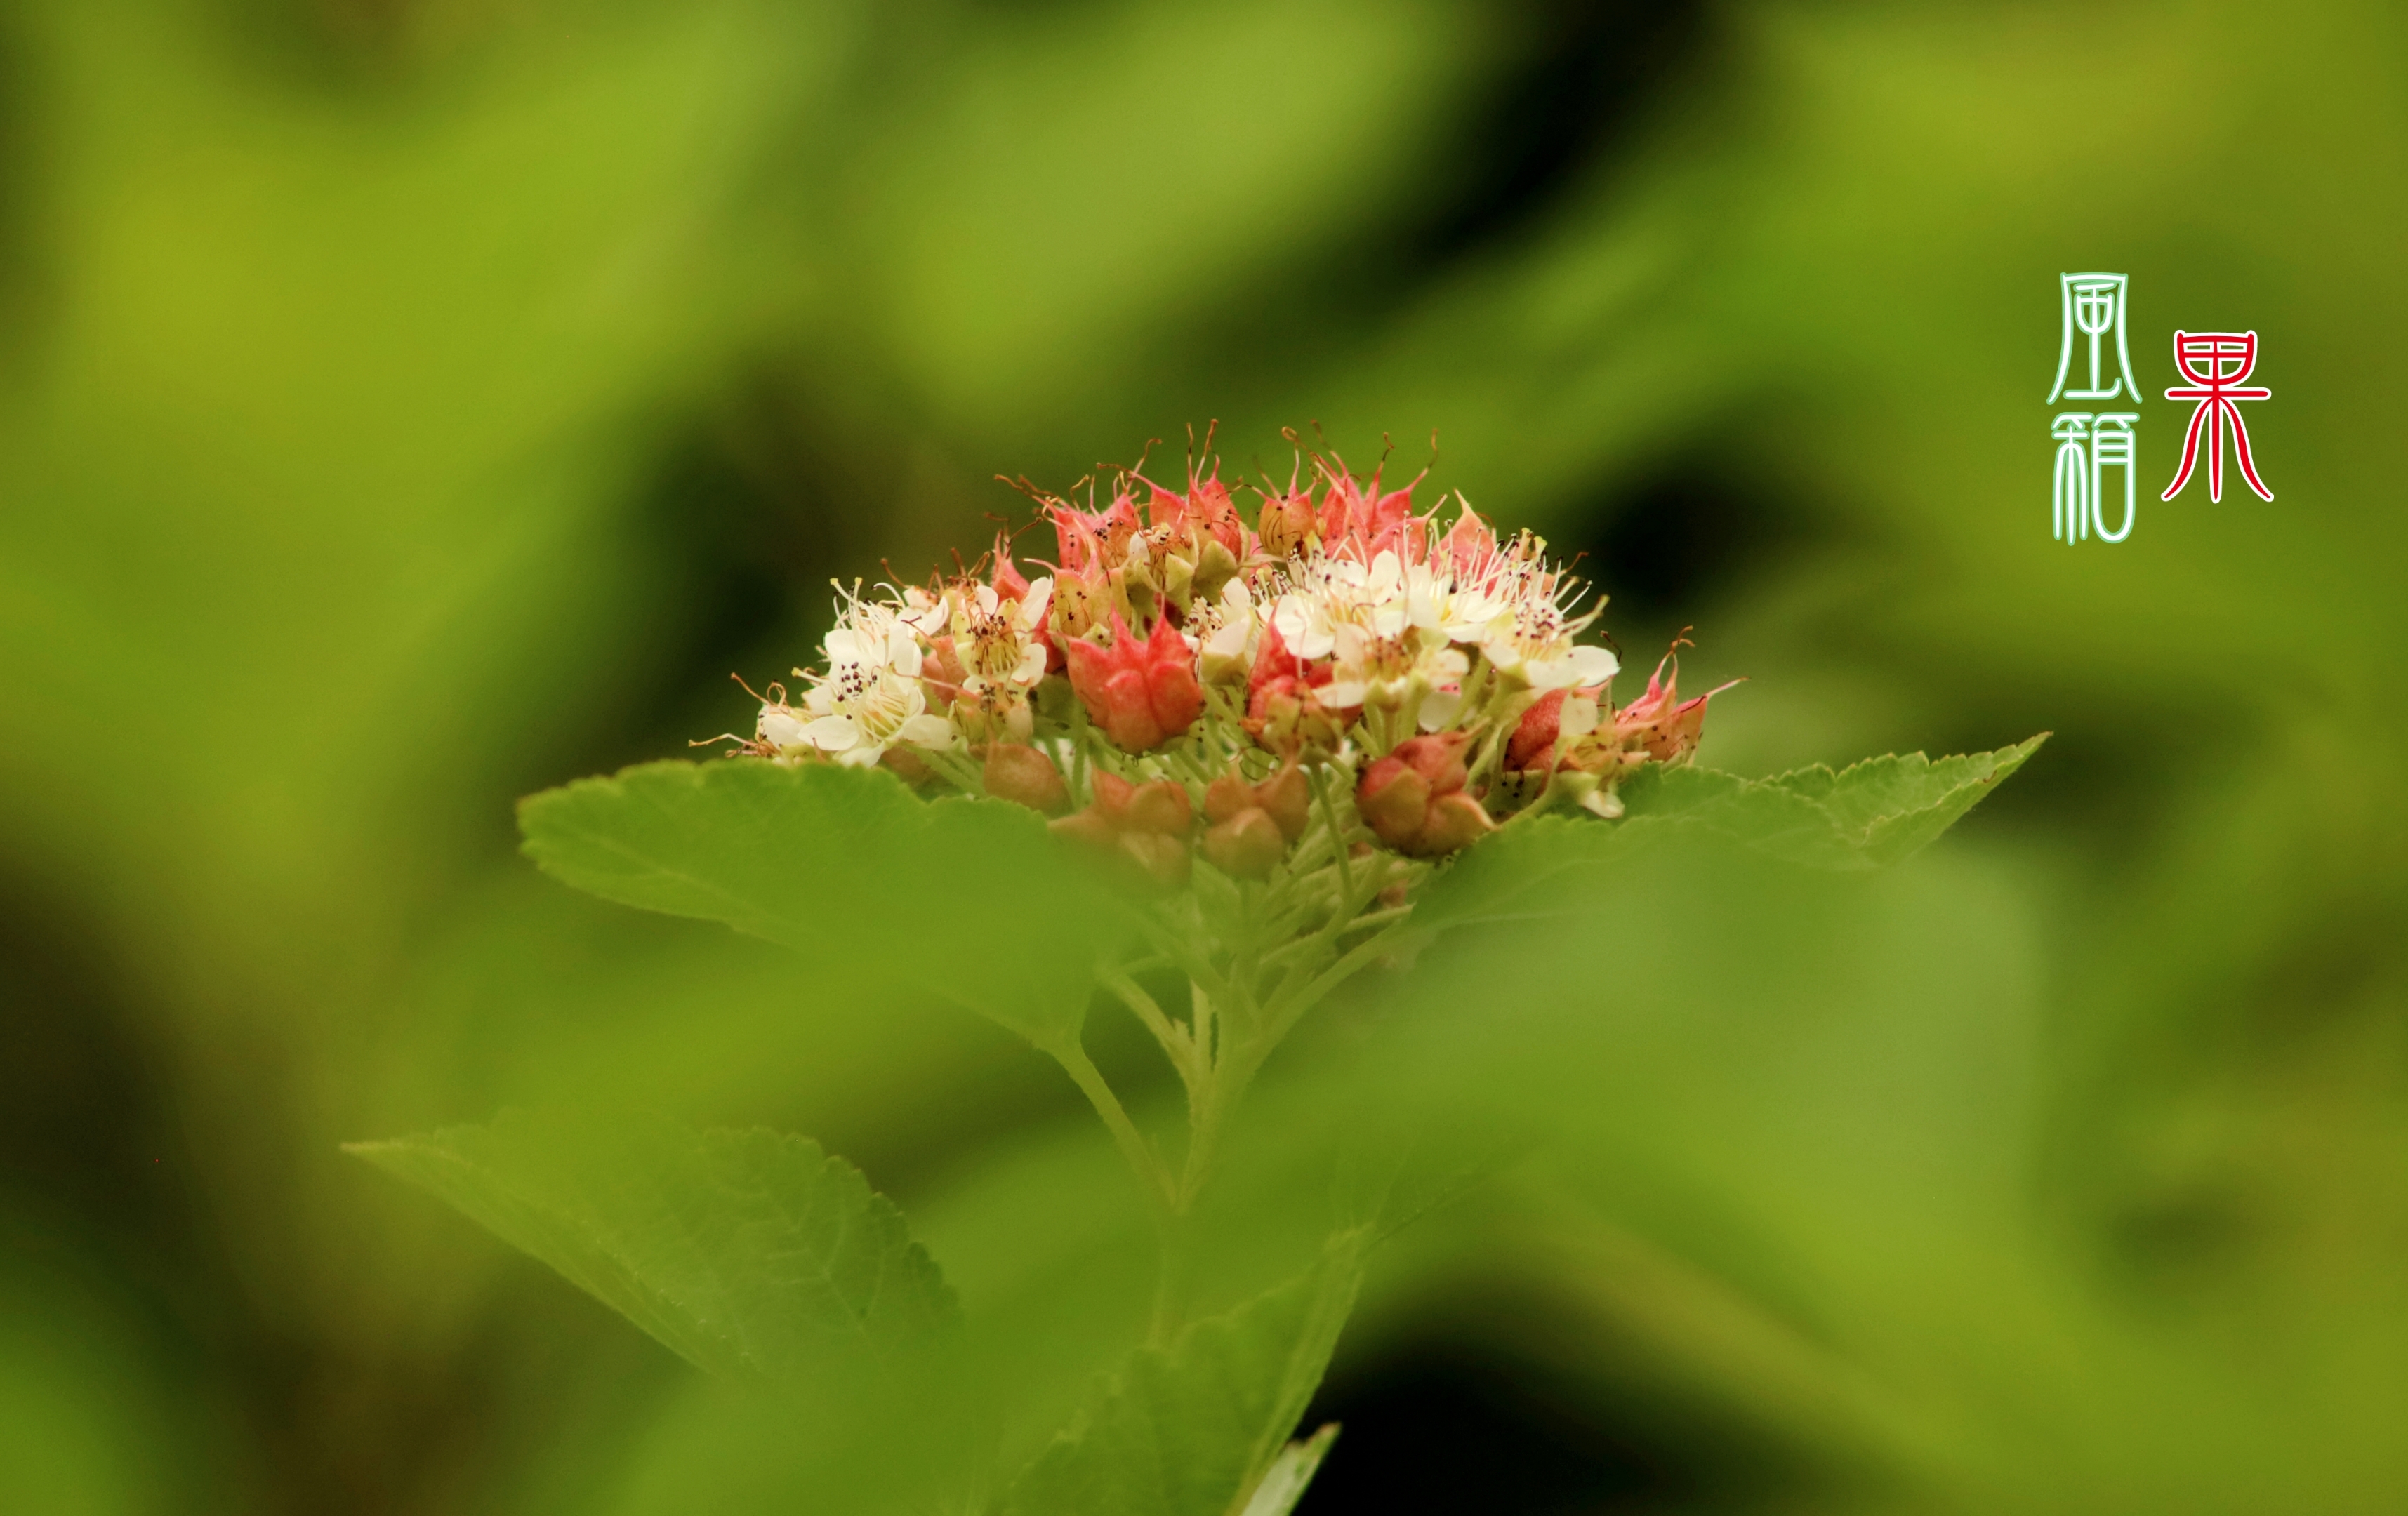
x: 1866, y: 816
x: 1201, y: 1428
x: 750, y: 1253
x: 969, y: 899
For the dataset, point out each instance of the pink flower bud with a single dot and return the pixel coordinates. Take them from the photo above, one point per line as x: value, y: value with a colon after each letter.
x: 1088, y: 826
x: 1113, y: 794
x: 1247, y: 846
x: 1022, y: 774
x: 1534, y: 738
x: 1165, y: 859
x: 1393, y: 799
x: 1286, y: 798
x: 1142, y: 692
x: 1659, y: 723
x: 1455, y: 821
x: 1438, y: 758
x: 1225, y: 796
x: 1413, y: 799
x: 1159, y: 806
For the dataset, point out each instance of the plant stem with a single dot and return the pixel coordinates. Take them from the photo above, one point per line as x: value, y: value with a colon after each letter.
x: 1151, y: 1172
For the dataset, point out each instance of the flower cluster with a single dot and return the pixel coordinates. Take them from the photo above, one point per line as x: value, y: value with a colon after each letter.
x: 1185, y: 680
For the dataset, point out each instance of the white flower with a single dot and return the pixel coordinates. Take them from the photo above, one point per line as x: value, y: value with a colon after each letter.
x: 996, y: 639
x: 1325, y: 593
x: 1226, y: 633
x: 1436, y: 601
x: 1510, y: 601
x: 779, y: 726
x: 1389, y: 671
x: 869, y: 697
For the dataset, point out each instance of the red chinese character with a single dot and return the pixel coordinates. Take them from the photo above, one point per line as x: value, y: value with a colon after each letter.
x: 2229, y: 357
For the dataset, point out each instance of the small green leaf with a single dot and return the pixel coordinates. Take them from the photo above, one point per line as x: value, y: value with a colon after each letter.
x: 969, y: 899
x: 752, y: 1254
x: 1865, y: 816
x: 1201, y: 1428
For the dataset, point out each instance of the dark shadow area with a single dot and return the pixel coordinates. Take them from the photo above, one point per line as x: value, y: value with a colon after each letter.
x: 1585, y: 72
x: 1448, y: 1427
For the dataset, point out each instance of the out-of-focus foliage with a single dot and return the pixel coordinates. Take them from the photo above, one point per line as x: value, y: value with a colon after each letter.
x: 844, y: 868
x: 407, y: 406
x: 753, y: 1255
x: 764, y: 1261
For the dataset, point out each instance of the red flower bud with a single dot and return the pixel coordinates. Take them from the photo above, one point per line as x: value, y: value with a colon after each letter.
x: 1286, y: 798
x: 1393, y: 800
x: 905, y: 764
x: 1112, y: 797
x: 1455, y: 821
x: 1273, y: 662
x: 1247, y: 846
x: 1225, y: 796
x: 1089, y: 827
x: 1020, y: 773
x: 1659, y: 723
x: 1438, y: 758
x: 1534, y: 738
x: 1165, y: 859
x: 1413, y: 799
x: 1159, y: 806
x: 1142, y: 692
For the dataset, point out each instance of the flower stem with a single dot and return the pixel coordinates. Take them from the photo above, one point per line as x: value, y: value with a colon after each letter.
x: 1151, y: 1172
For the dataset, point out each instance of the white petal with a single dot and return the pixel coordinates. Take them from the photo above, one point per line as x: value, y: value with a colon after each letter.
x: 778, y: 727
x: 1594, y: 665
x: 1440, y: 708
x: 1578, y: 717
x: 985, y: 598
x: 843, y: 647
x: 1604, y: 802
x: 1032, y: 665
x: 925, y: 731
x: 1339, y: 694
x: 1555, y: 674
x: 833, y: 733
x: 863, y: 756
x: 1032, y: 604
x: 903, y: 652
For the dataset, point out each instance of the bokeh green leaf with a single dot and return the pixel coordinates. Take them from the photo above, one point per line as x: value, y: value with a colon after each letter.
x: 969, y: 900
x: 752, y: 1254
x: 1193, y: 1428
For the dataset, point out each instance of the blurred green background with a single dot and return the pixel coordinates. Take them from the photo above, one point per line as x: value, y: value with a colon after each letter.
x: 409, y: 403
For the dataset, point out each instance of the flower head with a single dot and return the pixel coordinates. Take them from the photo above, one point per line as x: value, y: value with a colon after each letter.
x: 1443, y: 676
